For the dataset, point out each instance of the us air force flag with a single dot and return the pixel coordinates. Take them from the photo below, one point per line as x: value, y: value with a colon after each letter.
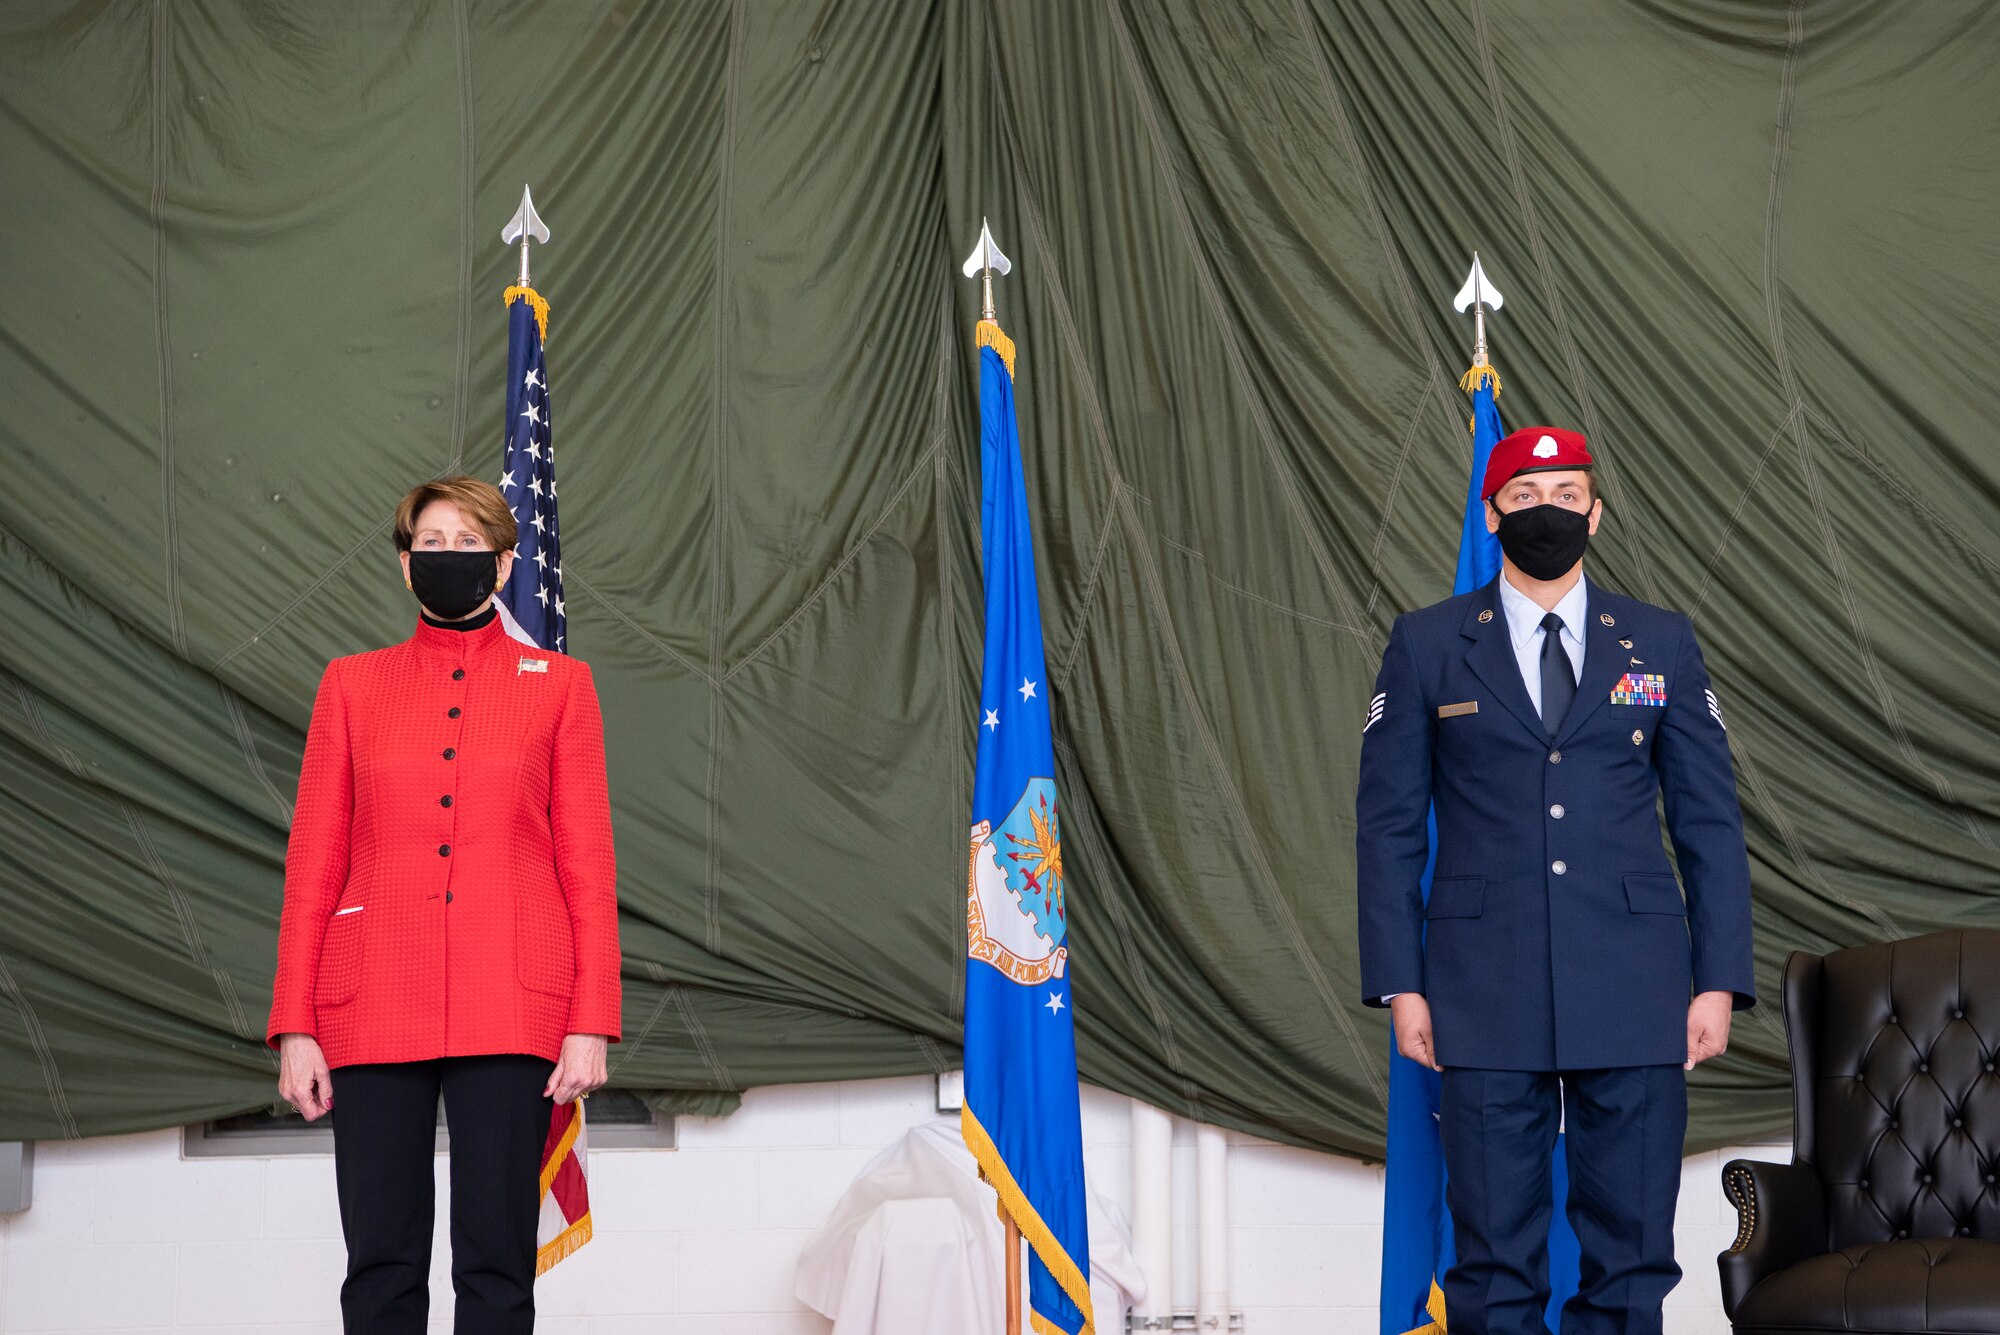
x: 1020, y: 1120
x: 531, y: 602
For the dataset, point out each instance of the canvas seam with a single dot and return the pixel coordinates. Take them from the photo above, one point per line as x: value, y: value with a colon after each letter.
x: 38, y: 1039
x: 1836, y: 561
x: 240, y: 722
x: 1239, y: 370
x: 909, y: 480
x: 1524, y: 206
x: 699, y: 1033
x: 571, y: 575
x: 1434, y: 377
x: 1771, y: 445
x: 1155, y: 590
x: 719, y: 479
x: 956, y: 944
x: 1086, y: 605
x: 463, y: 50
x: 183, y: 911
x: 162, y: 39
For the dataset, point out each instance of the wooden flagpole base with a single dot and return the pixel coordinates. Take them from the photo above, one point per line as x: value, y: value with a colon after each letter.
x: 1013, y: 1263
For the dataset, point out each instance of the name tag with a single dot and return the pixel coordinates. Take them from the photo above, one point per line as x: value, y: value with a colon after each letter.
x: 1640, y: 688
x: 532, y: 665
x: 1453, y: 711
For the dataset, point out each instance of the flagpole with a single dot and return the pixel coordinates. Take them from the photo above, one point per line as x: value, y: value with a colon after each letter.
x: 985, y: 261
x: 1013, y: 1277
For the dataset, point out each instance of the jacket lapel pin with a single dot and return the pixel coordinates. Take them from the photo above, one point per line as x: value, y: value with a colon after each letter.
x: 532, y: 665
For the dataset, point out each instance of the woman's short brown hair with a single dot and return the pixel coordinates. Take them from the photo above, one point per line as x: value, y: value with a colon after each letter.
x: 480, y: 502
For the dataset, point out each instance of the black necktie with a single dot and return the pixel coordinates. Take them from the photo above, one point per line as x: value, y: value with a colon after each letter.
x: 1558, y: 677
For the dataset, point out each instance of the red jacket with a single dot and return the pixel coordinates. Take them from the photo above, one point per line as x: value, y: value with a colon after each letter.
x: 450, y: 887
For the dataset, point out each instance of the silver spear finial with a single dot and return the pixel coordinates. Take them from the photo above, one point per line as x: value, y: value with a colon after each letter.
x: 524, y: 224
x: 1478, y: 293
x: 986, y: 260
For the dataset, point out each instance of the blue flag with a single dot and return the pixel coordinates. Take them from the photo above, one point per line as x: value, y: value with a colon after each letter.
x: 531, y: 602
x: 1416, y: 1227
x: 1021, y: 1119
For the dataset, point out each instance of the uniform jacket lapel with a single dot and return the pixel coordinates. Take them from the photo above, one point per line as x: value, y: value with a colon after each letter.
x: 1491, y: 658
x: 1604, y: 662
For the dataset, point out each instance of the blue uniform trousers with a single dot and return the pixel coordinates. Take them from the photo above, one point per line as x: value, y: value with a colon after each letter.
x: 1623, y: 1131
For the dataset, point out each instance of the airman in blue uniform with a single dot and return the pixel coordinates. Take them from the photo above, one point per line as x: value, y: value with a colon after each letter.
x: 1559, y: 971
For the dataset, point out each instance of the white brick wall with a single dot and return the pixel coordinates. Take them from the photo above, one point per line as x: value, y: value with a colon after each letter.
x: 126, y: 1236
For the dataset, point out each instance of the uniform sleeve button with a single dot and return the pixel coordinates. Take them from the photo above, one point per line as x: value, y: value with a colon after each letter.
x: 444, y: 850
x: 445, y: 801
x: 452, y: 712
x: 458, y: 674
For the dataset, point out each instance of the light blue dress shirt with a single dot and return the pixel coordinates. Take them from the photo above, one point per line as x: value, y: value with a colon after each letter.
x: 1524, y: 627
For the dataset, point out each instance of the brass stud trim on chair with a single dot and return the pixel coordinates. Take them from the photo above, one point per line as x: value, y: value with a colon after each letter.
x: 1737, y: 1186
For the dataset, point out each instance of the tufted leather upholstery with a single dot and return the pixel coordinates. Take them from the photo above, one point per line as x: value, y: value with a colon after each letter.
x: 1888, y: 1218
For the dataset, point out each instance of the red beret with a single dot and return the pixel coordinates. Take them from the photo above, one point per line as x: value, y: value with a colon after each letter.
x: 1533, y: 449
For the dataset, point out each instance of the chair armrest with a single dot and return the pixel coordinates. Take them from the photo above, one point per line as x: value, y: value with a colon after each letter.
x: 1780, y: 1221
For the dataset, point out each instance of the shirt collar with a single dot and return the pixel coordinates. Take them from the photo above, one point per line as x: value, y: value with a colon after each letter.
x: 459, y: 645
x: 1524, y: 615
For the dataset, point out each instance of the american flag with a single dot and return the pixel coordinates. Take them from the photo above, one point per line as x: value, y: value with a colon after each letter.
x: 531, y: 607
x: 531, y: 603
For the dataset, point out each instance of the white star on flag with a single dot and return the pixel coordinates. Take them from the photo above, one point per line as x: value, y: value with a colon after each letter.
x: 993, y: 719
x: 1055, y: 1002
x: 1027, y: 688
x: 528, y: 481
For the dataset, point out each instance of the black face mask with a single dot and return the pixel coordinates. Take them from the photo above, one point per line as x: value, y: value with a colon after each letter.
x: 1544, y: 541
x: 451, y: 584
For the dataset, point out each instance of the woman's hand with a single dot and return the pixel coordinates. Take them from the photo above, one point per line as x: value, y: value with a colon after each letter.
x: 580, y: 1069
x: 303, y: 1080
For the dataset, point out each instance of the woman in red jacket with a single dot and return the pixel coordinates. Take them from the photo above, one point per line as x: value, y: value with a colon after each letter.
x: 450, y: 924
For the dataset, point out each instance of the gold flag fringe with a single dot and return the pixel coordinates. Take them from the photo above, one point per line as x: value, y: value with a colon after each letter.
x: 1434, y: 1309
x: 1013, y: 1201
x: 988, y: 335
x: 536, y: 302
x: 1470, y: 383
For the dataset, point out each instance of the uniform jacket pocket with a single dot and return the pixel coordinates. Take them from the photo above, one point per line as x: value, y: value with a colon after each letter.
x: 1457, y: 897
x: 544, y: 945
x: 1654, y: 892
x: 340, y: 957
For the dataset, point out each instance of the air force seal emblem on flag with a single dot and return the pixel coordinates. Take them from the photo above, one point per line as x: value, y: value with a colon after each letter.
x: 1013, y: 893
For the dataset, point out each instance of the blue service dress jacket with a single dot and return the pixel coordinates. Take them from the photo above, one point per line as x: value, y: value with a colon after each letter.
x: 1556, y: 936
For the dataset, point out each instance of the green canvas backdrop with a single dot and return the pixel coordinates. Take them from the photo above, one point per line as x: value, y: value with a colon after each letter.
x: 250, y: 292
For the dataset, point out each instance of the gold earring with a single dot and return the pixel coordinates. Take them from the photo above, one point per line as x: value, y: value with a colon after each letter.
x: 407, y: 584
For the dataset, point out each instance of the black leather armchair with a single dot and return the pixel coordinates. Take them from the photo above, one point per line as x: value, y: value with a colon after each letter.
x: 1887, y: 1219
